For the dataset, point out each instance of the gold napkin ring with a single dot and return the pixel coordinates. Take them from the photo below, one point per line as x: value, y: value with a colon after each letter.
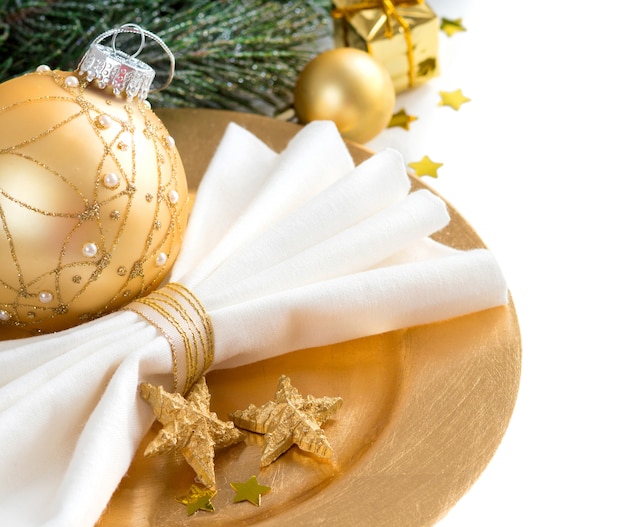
x: 180, y: 316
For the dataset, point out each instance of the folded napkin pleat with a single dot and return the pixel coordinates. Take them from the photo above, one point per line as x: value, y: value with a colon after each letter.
x: 356, y: 248
x: 378, y: 300
x: 240, y: 166
x: 374, y: 185
x: 285, y: 251
x: 313, y: 160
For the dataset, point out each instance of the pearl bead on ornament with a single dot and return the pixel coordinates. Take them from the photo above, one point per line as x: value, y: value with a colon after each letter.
x: 4, y: 315
x: 111, y: 180
x: 90, y: 250
x: 71, y: 81
x: 104, y: 121
x: 173, y: 197
x: 169, y: 142
x: 161, y: 259
x: 45, y: 297
x: 43, y: 68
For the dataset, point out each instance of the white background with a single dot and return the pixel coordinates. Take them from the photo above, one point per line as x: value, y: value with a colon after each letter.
x: 535, y: 163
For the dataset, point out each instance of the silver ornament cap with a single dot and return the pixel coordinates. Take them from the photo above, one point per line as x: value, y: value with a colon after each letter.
x: 127, y: 76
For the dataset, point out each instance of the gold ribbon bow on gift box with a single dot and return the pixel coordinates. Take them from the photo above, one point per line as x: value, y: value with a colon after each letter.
x: 394, y: 14
x: 389, y: 14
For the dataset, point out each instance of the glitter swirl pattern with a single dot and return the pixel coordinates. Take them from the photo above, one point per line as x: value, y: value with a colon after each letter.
x: 93, y: 202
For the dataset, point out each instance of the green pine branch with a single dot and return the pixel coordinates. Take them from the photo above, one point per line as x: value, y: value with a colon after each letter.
x: 242, y: 55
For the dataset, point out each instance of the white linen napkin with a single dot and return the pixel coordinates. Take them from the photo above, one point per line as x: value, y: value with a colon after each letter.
x: 286, y: 251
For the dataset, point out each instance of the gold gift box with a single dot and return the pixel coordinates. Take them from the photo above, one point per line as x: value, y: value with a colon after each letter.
x: 380, y: 28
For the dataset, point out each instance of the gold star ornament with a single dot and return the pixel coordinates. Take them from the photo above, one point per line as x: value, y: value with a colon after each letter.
x: 454, y: 99
x: 290, y: 419
x: 249, y: 491
x: 189, y: 427
x: 401, y: 119
x: 451, y: 27
x: 425, y: 167
x: 198, y: 499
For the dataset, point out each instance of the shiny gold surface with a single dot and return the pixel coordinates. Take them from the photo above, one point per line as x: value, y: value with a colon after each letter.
x: 403, y: 37
x: 93, y: 203
x: 350, y: 88
x: 424, y: 408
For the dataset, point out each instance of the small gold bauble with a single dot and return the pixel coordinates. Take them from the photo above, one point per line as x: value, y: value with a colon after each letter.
x: 346, y: 86
x: 93, y: 202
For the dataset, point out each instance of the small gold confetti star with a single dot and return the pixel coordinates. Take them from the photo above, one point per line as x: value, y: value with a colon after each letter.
x: 454, y: 99
x: 425, y: 167
x: 249, y: 491
x: 198, y: 499
x: 289, y: 419
x: 401, y: 119
x: 189, y: 427
x: 450, y: 27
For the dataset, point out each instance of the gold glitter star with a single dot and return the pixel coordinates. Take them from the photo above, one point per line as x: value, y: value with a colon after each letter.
x: 401, y: 119
x: 249, y: 491
x: 289, y: 419
x: 189, y: 427
x: 198, y: 499
x: 454, y: 99
x: 450, y: 27
x: 425, y: 167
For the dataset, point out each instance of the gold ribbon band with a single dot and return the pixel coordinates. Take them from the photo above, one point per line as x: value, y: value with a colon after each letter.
x: 176, y: 312
x: 390, y: 12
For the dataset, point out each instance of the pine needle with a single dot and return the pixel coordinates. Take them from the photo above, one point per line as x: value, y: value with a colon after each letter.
x: 242, y: 55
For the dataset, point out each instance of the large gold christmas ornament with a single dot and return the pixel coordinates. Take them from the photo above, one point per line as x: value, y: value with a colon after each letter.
x: 93, y: 197
x: 346, y: 86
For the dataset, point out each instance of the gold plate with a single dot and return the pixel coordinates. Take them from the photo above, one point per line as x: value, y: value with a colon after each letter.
x: 424, y: 408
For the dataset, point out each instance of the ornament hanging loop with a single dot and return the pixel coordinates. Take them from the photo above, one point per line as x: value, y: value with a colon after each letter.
x: 125, y: 28
x: 124, y: 73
